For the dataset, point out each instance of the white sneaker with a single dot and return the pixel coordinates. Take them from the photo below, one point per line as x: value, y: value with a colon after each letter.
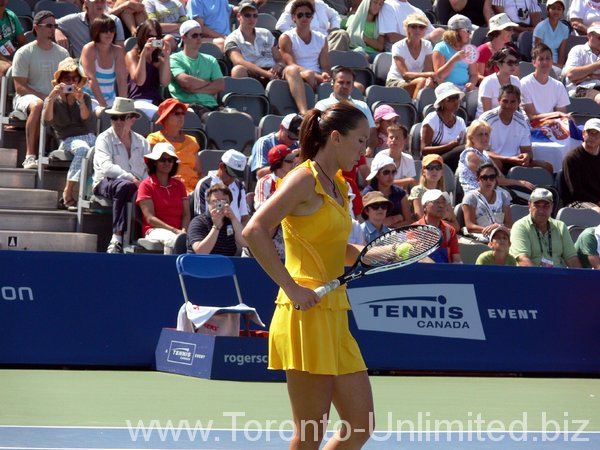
x: 30, y: 162
x: 114, y: 247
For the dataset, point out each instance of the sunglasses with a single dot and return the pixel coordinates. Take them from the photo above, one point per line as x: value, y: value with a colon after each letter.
x: 511, y: 63
x: 250, y: 15
x: 487, y: 177
x: 433, y: 168
x: 122, y: 118
x: 417, y: 27
x: 195, y: 35
x: 108, y: 30
x: 68, y: 78
x: 453, y: 98
x: 308, y: 15
x: 179, y: 114
x: 387, y: 172
x: 165, y: 159
x: 53, y: 26
x: 376, y: 206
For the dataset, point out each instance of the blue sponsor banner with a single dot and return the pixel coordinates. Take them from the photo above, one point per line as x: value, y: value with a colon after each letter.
x: 98, y: 309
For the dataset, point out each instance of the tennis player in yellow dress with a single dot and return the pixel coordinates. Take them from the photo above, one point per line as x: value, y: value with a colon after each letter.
x: 309, y: 337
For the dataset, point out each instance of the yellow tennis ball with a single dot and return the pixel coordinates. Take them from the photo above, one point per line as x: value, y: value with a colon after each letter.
x: 403, y: 250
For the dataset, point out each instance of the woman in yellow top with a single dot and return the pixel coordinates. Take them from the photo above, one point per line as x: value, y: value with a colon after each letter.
x: 309, y: 337
x: 171, y: 115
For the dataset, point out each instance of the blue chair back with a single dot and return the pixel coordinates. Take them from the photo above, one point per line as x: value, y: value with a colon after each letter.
x: 205, y: 266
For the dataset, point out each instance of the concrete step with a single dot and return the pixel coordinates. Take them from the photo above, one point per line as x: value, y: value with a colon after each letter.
x: 31, y: 220
x: 17, y: 178
x: 47, y: 241
x: 8, y: 157
x: 16, y: 198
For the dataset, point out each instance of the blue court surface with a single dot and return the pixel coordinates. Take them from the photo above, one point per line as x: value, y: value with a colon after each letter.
x: 111, y: 438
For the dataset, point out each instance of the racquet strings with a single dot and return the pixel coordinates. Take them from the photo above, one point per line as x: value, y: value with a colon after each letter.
x: 384, y: 249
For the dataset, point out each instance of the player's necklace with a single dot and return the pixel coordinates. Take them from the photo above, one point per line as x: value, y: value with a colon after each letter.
x: 330, y: 180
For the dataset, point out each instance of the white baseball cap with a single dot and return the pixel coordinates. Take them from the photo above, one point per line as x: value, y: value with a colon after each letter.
x: 541, y: 194
x: 432, y: 195
x: 592, y: 124
x: 595, y: 28
x: 235, y: 162
x: 159, y: 149
x: 379, y: 162
x: 188, y: 26
x: 552, y: 2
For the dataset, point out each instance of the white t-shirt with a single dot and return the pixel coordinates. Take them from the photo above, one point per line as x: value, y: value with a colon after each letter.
x: 490, y: 88
x: 488, y: 213
x: 392, y: 15
x: 507, y: 140
x: 512, y: 7
x: 441, y: 133
x: 400, y: 49
x: 580, y: 55
x: 307, y: 55
x: 544, y: 97
x: 406, y: 169
x: 586, y: 10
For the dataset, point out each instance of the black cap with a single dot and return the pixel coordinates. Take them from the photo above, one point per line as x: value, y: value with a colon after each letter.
x: 294, y: 128
x: 41, y: 15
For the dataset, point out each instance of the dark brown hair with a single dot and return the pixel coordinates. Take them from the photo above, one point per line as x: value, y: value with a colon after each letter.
x: 219, y: 187
x: 151, y: 165
x: 318, y: 125
x: 299, y: 3
x: 100, y: 25
x: 142, y: 33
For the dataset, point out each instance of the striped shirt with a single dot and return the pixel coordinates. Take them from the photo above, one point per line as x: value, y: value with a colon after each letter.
x: 106, y: 80
x: 507, y: 140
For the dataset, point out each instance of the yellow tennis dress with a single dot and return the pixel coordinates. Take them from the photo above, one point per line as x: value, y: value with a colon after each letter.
x: 317, y: 341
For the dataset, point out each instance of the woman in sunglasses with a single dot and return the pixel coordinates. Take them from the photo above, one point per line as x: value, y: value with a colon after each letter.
x: 305, y: 51
x: 507, y: 60
x: 149, y: 67
x: 164, y: 201
x: 487, y: 207
x: 432, y: 177
x: 104, y: 63
x: 381, y: 178
x: 413, y: 67
x: 68, y: 110
x: 443, y: 131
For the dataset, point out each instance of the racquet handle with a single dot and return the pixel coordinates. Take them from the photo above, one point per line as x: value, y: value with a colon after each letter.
x: 322, y: 291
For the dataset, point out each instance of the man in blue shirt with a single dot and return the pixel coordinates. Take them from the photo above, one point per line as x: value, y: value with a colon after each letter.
x: 288, y: 133
x: 214, y: 17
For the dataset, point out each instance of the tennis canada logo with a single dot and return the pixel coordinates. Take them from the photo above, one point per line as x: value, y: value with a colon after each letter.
x: 181, y: 352
x: 445, y: 310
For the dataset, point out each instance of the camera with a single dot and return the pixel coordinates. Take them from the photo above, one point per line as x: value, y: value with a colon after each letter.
x: 68, y: 88
x: 219, y: 204
x: 523, y: 14
x: 157, y: 43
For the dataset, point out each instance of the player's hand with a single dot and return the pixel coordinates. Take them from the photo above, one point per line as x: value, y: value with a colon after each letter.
x: 303, y: 298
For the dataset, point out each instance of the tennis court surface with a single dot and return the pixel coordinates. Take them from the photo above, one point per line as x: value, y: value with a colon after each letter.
x: 67, y: 409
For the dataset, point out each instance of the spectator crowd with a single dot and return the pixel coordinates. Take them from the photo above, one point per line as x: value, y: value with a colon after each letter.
x: 490, y: 89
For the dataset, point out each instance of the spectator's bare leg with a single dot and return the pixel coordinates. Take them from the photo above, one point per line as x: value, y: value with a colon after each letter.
x: 292, y: 76
x: 128, y: 19
x: 171, y: 41
x: 311, y: 78
x: 239, y: 72
x: 32, y: 127
x: 219, y: 42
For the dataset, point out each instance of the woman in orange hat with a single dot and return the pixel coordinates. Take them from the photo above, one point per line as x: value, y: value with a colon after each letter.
x: 171, y: 115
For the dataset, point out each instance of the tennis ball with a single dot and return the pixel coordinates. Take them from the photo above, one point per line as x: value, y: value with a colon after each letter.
x: 403, y: 250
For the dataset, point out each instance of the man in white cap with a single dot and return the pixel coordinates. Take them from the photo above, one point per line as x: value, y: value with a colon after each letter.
x: 526, y: 13
x: 434, y: 204
x: 288, y: 133
x: 581, y: 170
x: 479, y: 11
x: 537, y: 240
x: 230, y: 173
x: 391, y: 19
x: 119, y: 165
x: 582, y: 69
x: 197, y: 78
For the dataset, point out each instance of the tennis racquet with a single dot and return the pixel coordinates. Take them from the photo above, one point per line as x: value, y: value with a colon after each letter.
x: 391, y: 250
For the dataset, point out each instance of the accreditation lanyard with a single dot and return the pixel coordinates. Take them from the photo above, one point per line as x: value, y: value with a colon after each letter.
x: 537, y: 232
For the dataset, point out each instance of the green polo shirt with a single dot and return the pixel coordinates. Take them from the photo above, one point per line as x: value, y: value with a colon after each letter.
x: 524, y: 241
x: 204, y: 66
x: 587, y: 245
